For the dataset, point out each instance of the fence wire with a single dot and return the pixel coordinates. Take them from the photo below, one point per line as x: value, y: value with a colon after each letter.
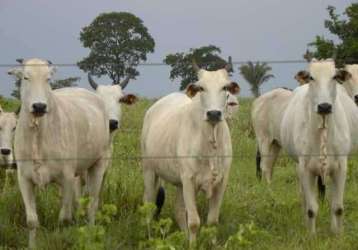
x: 171, y: 157
x: 294, y: 61
x: 163, y: 157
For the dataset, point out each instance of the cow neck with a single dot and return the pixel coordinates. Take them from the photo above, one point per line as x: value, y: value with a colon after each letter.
x: 211, y: 142
x: 320, y: 127
x: 37, y: 127
x: 207, y: 130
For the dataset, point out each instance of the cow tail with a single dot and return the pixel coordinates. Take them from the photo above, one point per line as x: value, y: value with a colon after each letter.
x: 159, y: 202
x: 321, y: 188
x: 258, y: 163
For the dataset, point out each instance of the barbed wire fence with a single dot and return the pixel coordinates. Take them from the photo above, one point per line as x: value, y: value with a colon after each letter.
x: 138, y: 130
x: 293, y: 61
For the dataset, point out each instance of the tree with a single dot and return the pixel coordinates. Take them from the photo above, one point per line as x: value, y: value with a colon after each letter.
x: 118, y: 42
x: 346, y: 49
x: 207, y: 57
x: 55, y: 84
x: 256, y: 74
x: 16, y: 92
x: 64, y: 83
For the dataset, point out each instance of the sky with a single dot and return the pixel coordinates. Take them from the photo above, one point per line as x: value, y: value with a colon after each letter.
x: 244, y: 29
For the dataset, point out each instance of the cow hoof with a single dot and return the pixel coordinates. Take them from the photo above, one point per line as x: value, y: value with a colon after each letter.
x: 339, y: 212
x: 32, y: 223
x: 310, y: 213
x: 65, y: 220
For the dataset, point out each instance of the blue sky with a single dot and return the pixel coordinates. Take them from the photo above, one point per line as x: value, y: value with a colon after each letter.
x: 244, y: 29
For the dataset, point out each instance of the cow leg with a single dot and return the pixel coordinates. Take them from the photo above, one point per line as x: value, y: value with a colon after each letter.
x: 180, y: 213
x: 78, y: 191
x: 68, y: 192
x: 338, y: 183
x: 310, y: 205
x: 28, y: 196
x: 269, y: 154
x: 215, y: 204
x: 95, y: 179
x: 190, y: 207
x: 150, y: 185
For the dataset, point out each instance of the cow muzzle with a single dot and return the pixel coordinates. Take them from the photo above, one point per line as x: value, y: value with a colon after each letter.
x: 324, y: 108
x: 39, y: 109
x: 214, y: 116
x: 356, y: 99
x: 113, y: 125
x: 5, y: 151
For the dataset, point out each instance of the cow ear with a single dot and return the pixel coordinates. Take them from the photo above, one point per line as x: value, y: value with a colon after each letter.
x: 192, y: 89
x: 53, y: 69
x: 342, y: 76
x: 232, y: 104
x: 17, y: 112
x: 16, y: 72
x: 302, y: 77
x: 128, y: 99
x: 233, y: 88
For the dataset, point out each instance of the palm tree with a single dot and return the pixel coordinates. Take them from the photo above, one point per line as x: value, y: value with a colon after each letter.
x: 256, y: 74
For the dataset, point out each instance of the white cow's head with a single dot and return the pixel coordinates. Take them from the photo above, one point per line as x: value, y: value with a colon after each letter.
x: 113, y: 96
x: 349, y: 78
x: 35, y: 89
x: 7, y: 131
x: 213, y: 87
x: 322, y: 79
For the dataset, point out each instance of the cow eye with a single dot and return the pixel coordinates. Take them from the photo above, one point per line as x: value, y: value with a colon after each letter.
x: 311, y: 78
x: 26, y: 78
x: 226, y: 88
x: 14, y: 129
x: 200, y: 88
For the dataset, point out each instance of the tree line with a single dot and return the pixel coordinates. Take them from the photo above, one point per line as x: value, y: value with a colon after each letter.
x: 119, y: 41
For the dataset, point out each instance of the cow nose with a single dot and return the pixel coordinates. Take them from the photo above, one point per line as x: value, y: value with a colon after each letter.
x: 113, y: 125
x: 5, y: 151
x: 214, y: 115
x: 356, y: 99
x: 324, y: 108
x: 39, y: 108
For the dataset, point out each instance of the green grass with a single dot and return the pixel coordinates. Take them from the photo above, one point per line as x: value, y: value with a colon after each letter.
x: 275, y: 212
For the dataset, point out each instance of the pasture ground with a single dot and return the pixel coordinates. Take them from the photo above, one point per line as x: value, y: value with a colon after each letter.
x: 253, y: 215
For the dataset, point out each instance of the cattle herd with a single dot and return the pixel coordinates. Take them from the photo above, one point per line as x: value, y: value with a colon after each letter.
x: 65, y: 137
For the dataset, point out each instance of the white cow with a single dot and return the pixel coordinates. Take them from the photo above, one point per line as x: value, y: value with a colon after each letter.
x: 7, y: 130
x: 8, y: 122
x: 59, y: 135
x: 232, y: 106
x: 186, y: 141
x: 266, y: 115
x: 351, y: 84
x: 318, y: 130
x: 113, y: 96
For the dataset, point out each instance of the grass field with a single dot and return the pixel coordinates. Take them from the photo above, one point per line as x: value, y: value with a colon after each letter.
x: 253, y: 215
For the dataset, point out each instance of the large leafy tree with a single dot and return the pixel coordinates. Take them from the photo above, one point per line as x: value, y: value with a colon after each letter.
x: 207, y: 57
x: 346, y: 29
x: 64, y: 83
x: 118, y: 42
x: 256, y: 74
x: 55, y: 84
